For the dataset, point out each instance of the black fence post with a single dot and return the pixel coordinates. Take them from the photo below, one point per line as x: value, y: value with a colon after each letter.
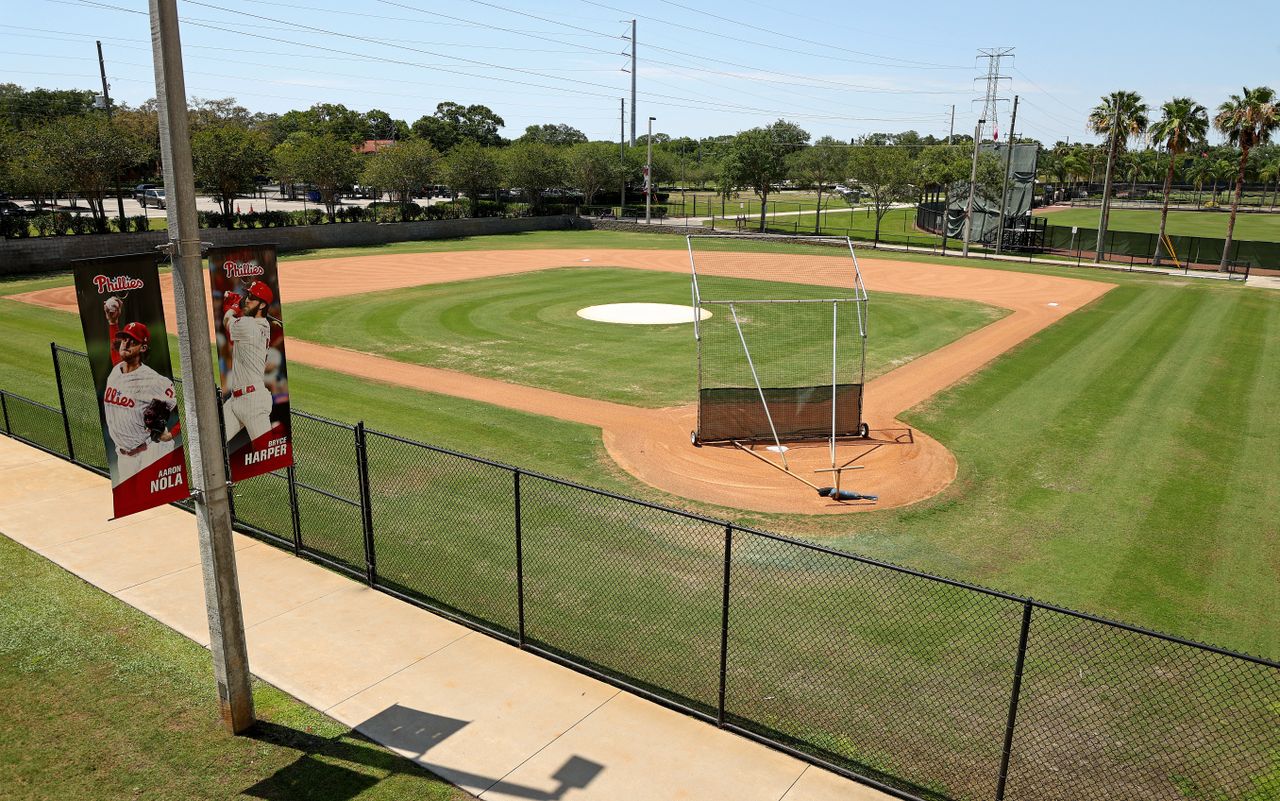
x: 4, y: 408
x: 226, y: 455
x: 519, y: 560
x: 62, y: 401
x: 724, y: 624
x: 366, y: 510
x: 295, y: 516
x: 1013, y: 701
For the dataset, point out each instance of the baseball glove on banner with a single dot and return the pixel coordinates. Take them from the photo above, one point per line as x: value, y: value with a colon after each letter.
x: 156, y: 418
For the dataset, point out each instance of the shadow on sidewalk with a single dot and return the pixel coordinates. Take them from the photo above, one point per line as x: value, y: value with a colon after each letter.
x: 343, y: 767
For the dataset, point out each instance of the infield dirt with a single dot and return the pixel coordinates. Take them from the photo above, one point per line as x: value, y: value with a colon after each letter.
x: 901, y: 466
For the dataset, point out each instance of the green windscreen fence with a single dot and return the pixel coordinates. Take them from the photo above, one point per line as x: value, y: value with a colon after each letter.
x: 1140, y: 247
x: 986, y: 209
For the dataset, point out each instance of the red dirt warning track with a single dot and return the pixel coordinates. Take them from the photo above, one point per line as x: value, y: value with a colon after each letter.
x: 653, y: 444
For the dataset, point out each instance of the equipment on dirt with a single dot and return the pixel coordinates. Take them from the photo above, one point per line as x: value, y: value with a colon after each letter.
x: 783, y: 356
x: 155, y: 416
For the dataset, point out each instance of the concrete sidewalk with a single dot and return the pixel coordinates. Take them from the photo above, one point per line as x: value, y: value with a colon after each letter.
x: 492, y: 719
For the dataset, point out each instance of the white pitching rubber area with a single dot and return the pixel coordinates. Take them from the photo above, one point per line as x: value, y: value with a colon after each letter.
x: 642, y: 313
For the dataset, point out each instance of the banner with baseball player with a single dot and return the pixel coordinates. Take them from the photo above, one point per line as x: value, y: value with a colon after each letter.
x: 123, y: 318
x: 251, y: 363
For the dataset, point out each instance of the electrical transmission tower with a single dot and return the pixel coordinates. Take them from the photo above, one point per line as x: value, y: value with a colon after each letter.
x: 991, y: 100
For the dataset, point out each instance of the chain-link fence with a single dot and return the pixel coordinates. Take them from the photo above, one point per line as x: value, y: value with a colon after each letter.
x: 923, y: 686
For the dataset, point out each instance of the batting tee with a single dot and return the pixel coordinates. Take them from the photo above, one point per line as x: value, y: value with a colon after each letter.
x: 781, y: 339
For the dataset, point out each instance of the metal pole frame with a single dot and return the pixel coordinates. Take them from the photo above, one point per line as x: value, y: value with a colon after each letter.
x: 366, y: 506
x: 519, y: 558
x: 295, y: 515
x: 1015, y: 694
x: 4, y: 410
x: 724, y: 623
x: 756, y: 378
x: 62, y: 401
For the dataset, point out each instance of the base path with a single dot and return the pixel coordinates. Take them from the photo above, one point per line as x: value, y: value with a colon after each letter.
x: 901, y: 467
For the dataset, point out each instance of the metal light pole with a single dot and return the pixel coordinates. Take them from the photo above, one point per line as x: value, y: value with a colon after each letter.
x: 973, y: 182
x: 106, y: 99
x: 1004, y: 186
x: 648, y: 173
x: 209, y: 486
x: 633, y: 83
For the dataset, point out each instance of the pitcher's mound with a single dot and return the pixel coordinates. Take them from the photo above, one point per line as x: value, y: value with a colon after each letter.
x: 641, y: 313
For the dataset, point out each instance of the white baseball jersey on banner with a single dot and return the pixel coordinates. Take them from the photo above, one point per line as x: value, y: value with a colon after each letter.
x: 249, y: 357
x: 126, y: 396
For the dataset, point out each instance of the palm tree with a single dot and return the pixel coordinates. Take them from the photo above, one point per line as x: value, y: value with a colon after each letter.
x: 1120, y: 115
x: 1270, y: 172
x: 1247, y: 119
x: 1220, y: 170
x: 1183, y: 122
x: 1198, y: 172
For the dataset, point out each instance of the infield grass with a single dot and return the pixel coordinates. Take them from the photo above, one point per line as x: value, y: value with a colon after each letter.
x: 525, y: 329
x: 102, y: 702
x: 1252, y: 227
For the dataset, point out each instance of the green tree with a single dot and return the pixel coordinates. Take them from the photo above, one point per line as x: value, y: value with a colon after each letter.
x: 228, y: 160
x: 378, y: 124
x: 86, y: 154
x: 887, y: 174
x: 758, y: 159
x: 327, y: 163
x: 1248, y: 119
x: 817, y: 166
x: 26, y: 109
x: 1120, y: 116
x: 473, y: 169
x: 453, y: 123
x: 560, y: 135
x: 591, y: 166
x: 1183, y: 122
x: 534, y: 167
x: 402, y: 169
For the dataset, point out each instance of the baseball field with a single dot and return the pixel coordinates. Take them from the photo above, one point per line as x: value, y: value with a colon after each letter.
x: 1113, y: 452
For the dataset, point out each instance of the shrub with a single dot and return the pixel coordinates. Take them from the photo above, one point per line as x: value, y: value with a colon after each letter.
x: 453, y: 210
x: 141, y: 223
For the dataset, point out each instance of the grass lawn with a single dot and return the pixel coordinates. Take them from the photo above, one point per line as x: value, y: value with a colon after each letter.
x: 1251, y: 227
x: 103, y: 702
x: 898, y: 225
x: 1117, y: 462
x: 524, y: 329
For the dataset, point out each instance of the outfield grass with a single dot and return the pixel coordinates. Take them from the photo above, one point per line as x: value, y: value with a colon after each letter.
x: 525, y: 329
x: 898, y: 225
x: 103, y: 702
x: 1116, y: 462
x: 1251, y: 227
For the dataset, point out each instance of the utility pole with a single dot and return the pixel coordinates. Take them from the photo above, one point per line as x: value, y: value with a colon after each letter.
x: 633, y: 83
x: 648, y: 173
x: 1105, y: 212
x: 1008, y: 162
x: 973, y: 182
x: 209, y: 486
x: 106, y: 99
x: 622, y: 152
x: 951, y: 132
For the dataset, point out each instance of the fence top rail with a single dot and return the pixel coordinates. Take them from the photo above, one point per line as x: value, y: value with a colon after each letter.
x: 6, y: 393
x: 318, y: 419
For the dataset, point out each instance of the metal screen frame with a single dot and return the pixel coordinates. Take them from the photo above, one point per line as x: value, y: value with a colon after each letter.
x: 858, y: 299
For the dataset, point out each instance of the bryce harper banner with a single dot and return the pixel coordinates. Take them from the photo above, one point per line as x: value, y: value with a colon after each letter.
x: 251, y: 365
x: 123, y: 319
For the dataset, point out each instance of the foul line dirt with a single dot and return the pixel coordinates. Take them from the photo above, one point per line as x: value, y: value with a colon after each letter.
x: 653, y: 444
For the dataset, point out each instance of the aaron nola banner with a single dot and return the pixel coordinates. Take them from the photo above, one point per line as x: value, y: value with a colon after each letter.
x: 124, y: 334
x: 251, y: 364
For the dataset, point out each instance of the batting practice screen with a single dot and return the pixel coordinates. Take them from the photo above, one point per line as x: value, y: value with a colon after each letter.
x: 781, y: 339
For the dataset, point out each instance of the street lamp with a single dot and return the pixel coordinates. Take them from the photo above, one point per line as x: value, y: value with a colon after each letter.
x: 648, y: 174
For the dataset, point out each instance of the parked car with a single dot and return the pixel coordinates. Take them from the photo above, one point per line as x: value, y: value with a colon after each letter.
x: 10, y: 209
x: 141, y: 189
x: 152, y: 197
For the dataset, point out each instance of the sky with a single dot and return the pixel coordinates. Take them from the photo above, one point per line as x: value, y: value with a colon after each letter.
x: 705, y: 67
